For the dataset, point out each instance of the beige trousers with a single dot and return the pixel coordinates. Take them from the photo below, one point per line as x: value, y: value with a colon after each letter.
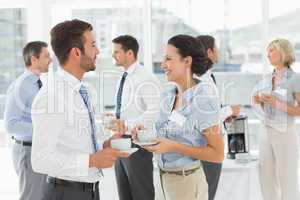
x: 278, y: 168
x: 180, y: 187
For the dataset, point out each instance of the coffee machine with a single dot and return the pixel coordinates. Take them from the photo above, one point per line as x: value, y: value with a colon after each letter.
x: 237, y: 136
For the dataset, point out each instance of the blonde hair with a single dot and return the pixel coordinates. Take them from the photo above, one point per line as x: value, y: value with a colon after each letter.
x: 286, y: 50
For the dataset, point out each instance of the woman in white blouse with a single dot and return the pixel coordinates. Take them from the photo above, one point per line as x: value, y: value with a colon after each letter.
x: 279, y: 142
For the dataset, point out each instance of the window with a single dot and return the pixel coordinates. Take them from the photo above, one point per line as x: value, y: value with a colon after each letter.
x: 111, y: 21
x: 284, y: 23
x: 13, y: 36
x: 12, y: 40
x: 235, y: 25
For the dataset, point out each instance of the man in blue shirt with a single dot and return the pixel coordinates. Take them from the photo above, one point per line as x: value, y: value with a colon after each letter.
x: 17, y: 117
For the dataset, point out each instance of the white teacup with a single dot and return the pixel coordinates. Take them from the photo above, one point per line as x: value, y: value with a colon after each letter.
x: 146, y: 135
x: 121, y: 144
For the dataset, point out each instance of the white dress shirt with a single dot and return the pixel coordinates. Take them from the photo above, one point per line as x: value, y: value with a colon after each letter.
x: 140, y: 97
x: 226, y: 111
x: 62, y: 139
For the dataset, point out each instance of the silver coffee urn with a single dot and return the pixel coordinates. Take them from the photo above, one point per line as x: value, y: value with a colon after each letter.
x: 237, y: 136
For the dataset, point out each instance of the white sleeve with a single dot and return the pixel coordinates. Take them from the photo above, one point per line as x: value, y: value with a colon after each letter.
x: 47, y: 156
x: 225, y: 113
x: 149, y: 92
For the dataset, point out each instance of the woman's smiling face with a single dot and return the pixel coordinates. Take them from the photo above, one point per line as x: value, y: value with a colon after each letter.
x: 174, y: 65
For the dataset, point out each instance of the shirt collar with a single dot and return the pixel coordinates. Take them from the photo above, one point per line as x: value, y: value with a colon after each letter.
x: 31, y: 76
x: 286, y: 74
x: 204, y: 77
x: 70, y: 79
x: 132, y: 68
x: 209, y: 72
x: 188, y: 94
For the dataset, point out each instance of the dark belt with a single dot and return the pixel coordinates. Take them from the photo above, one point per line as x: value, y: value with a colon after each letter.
x: 181, y: 172
x: 24, y: 143
x: 73, y: 184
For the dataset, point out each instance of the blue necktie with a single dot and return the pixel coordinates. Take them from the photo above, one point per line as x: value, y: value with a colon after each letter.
x: 85, y: 96
x: 119, y: 95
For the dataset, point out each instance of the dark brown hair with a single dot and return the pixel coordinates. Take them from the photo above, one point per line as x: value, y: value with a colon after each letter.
x: 189, y: 46
x: 207, y: 41
x: 67, y: 35
x: 128, y: 43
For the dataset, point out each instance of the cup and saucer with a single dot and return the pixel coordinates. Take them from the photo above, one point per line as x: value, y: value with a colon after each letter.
x: 145, y: 138
x: 124, y: 145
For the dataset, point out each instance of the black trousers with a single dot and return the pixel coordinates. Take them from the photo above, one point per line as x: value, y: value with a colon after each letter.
x: 134, y: 176
x: 58, y: 192
x: 212, y: 172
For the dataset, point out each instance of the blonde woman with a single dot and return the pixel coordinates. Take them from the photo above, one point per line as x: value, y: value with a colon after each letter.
x: 279, y: 148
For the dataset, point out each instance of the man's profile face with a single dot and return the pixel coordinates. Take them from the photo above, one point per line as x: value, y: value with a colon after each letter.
x: 88, y: 57
x: 213, y: 54
x: 42, y: 63
x: 119, y: 55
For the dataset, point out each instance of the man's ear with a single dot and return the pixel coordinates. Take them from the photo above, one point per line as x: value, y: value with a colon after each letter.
x: 130, y: 53
x: 75, y: 52
x: 33, y: 60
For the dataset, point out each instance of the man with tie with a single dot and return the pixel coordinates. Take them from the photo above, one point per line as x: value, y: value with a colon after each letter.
x: 213, y: 170
x: 137, y: 102
x: 17, y: 117
x: 65, y: 144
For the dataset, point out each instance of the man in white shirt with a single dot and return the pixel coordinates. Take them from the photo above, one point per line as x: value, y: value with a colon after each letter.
x: 213, y: 170
x: 64, y: 145
x: 137, y: 103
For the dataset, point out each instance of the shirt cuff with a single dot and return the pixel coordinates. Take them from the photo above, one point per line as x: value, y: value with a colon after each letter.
x: 82, y: 164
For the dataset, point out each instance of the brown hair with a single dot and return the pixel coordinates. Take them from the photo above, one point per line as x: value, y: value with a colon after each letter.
x: 189, y: 46
x: 207, y: 41
x: 67, y: 35
x: 128, y: 43
x: 33, y: 49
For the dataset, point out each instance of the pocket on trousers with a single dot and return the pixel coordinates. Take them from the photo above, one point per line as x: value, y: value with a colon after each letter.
x: 15, y: 152
x: 20, y: 158
x: 201, y: 185
x: 27, y: 158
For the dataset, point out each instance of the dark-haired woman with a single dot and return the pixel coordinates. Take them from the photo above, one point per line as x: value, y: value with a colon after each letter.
x: 188, y: 124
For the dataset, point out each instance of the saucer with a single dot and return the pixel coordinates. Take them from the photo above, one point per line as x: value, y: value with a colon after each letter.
x: 143, y: 143
x: 131, y: 150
